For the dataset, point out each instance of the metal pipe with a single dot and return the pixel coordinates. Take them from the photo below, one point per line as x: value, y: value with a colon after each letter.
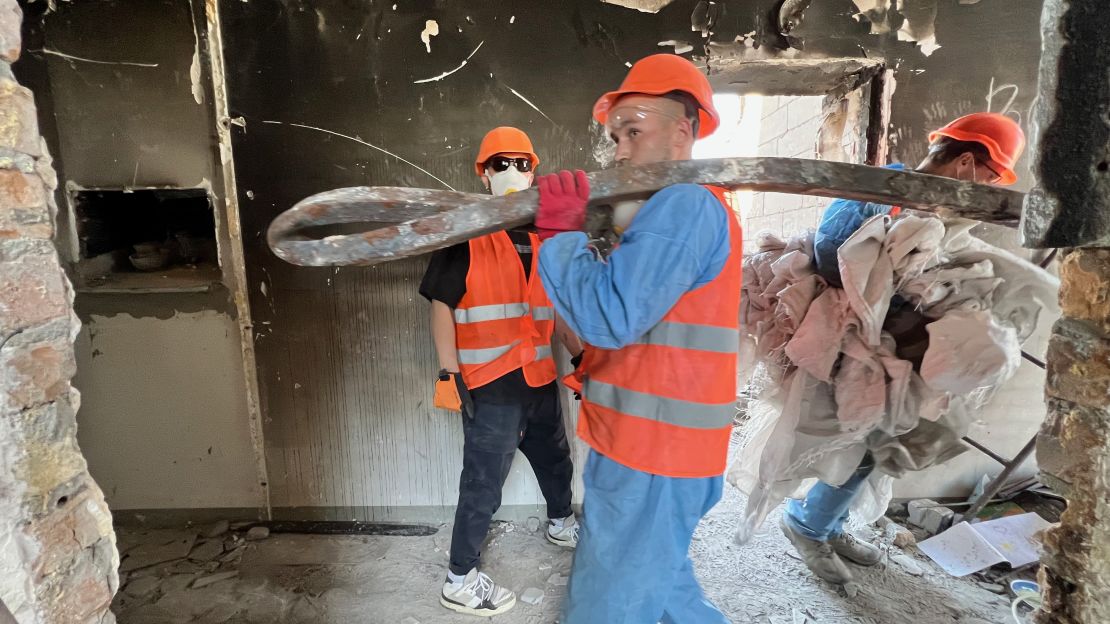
x: 1035, y: 360
x: 996, y: 484
x: 1049, y: 258
x: 986, y: 451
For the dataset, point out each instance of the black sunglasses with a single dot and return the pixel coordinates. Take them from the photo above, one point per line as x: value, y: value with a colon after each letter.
x: 501, y: 163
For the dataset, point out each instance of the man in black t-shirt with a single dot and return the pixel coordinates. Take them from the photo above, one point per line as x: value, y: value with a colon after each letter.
x: 506, y: 413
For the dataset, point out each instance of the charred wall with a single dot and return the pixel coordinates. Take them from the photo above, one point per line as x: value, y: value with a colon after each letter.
x: 340, y: 93
x: 337, y: 93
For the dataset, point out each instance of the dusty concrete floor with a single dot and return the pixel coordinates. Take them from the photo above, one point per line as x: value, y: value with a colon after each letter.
x: 395, y: 580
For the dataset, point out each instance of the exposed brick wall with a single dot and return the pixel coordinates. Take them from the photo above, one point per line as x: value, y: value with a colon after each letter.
x: 1069, y: 208
x: 1073, y: 448
x: 789, y: 129
x: 58, y: 555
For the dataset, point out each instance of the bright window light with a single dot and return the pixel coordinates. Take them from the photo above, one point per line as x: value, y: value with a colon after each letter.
x: 737, y: 136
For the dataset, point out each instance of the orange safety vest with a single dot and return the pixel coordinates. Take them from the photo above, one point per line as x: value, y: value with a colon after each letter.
x: 665, y: 404
x: 504, y: 320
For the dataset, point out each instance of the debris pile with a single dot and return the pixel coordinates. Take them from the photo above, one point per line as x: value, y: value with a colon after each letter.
x: 895, y: 364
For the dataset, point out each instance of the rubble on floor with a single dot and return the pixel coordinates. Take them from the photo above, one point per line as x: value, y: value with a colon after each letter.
x: 930, y: 515
x: 375, y: 579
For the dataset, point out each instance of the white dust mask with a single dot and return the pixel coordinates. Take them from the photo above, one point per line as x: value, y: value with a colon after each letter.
x: 624, y: 212
x: 508, y: 181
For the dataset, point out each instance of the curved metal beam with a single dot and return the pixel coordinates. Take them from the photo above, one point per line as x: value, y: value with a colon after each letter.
x: 403, y: 222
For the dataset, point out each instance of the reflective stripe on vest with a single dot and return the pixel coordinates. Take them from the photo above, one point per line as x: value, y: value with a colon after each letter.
x: 660, y: 409
x: 543, y: 353
x: 544, y: 313
x: 690, y: 336
x: 484, y: 356
x: 494, y: 312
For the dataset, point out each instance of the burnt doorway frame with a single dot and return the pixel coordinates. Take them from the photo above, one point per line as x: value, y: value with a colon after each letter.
x: 833, y: 78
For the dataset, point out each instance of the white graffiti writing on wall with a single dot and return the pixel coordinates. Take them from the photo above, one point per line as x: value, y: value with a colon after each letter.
x: 1008, y: 108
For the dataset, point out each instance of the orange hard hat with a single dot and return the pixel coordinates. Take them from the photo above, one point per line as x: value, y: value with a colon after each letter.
x: 660, y: 74
x: 504, y: 140
x: 1001, y: 135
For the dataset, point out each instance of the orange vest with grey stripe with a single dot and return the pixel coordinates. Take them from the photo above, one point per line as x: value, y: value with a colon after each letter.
x: 504, y: 320
x: 665, y: 404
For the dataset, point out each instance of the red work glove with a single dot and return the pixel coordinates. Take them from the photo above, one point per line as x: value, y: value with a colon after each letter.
x: 563, y: 198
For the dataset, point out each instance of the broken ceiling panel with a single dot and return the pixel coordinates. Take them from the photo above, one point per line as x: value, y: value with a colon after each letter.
x: 647, y: 6
x: 791, y: 14
x: 680, y: 47
x: 920, y: 24
x: 918, y: 19
x: 704, y: 17
x: 875, y: 12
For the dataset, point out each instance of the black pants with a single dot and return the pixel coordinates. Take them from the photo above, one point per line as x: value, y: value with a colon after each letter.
x: 491, y: 440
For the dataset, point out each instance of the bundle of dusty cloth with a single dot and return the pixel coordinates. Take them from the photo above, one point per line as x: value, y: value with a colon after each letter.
x: 833, y: 383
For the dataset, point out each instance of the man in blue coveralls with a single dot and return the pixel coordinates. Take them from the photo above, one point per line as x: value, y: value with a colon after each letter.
x: 981, y: 148
x: 660, y: 316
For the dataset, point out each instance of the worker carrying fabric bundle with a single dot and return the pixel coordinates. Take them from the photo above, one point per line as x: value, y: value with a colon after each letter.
x: 981, y: 148
x: 492, y: 325
x: 659, y: 317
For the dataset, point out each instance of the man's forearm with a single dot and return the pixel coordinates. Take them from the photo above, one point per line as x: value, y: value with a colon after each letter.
x: 567, y: 337
x: 443, y: 334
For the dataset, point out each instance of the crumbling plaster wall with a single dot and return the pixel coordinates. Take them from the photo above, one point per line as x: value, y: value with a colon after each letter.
x: 1070, y: 208
x: 164, y: 422
x: 58, y: 553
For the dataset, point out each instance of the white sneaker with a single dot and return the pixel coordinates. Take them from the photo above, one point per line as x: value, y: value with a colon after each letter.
x: 477, y: 595
x: 565, y: 536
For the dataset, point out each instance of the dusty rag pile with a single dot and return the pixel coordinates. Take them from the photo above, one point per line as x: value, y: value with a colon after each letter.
x: 832, y: 382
